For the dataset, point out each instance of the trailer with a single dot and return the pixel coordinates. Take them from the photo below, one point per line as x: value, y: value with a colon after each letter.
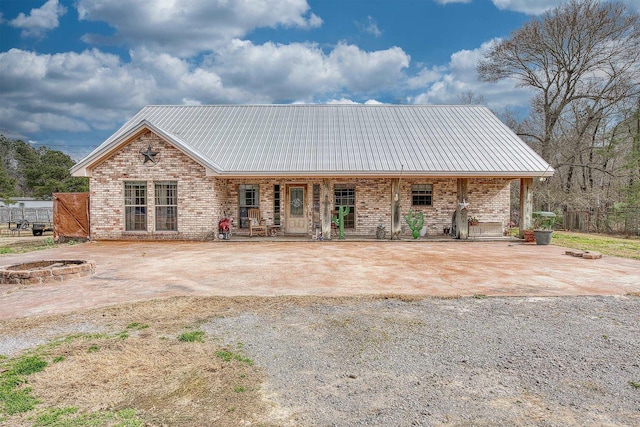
x: 38, y: 228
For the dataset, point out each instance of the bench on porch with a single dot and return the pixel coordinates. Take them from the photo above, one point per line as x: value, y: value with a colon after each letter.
x: 486, y: 229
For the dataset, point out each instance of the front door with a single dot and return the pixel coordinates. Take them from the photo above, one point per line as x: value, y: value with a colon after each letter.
x: 296, y: 215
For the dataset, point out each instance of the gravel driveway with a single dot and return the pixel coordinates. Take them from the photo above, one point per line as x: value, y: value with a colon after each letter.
x: 495, y: 361
x: 533, y: 359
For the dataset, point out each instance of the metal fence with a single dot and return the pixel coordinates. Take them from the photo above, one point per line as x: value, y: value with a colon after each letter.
x: 11, y: 215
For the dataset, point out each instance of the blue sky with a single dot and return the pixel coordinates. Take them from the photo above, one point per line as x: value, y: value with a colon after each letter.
x: 72, y: 72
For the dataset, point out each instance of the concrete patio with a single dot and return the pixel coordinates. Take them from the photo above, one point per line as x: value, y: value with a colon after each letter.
x: 136, y: 271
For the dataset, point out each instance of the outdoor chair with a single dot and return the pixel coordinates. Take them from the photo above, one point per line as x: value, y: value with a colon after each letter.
x: 256, y: 224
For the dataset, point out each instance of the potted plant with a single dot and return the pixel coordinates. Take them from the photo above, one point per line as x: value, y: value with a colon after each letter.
x: 473, y: 220
x: 543, y: 227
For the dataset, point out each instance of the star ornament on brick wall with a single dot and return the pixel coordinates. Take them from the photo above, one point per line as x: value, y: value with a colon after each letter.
x: 149, y: 155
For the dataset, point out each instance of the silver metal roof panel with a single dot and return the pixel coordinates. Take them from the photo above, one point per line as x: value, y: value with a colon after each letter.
x: 339, y: 140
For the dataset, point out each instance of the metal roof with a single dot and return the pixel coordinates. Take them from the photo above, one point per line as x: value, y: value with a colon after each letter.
x: 433, y: 140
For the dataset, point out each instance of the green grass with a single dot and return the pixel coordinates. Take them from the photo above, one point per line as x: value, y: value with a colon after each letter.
x: 607, y: 245
x: 193, y: 336
x: 138, y: 326
x: 14, y: 397
x: 228, y: 356
x: 70, y: 417
x: 634, y: 384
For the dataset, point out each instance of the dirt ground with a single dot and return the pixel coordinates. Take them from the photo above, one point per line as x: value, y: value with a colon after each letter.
x: 332, y: 333
x: 139, y: 271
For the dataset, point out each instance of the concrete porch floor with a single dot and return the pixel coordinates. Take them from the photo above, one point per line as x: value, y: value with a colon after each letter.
x: 136, y: 271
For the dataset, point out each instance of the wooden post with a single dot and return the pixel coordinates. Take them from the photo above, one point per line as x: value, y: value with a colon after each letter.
x: 526, y: 204
x: 396, y: 227
x: 462, y: 225
x: 327, y: 207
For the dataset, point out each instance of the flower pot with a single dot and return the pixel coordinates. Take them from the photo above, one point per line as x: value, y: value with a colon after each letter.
x: 543, y: 237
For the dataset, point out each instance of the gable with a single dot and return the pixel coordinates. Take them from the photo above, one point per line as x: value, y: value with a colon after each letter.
x: 125, y: 142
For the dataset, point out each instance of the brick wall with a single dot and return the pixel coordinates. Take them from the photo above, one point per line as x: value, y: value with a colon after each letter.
x: 488, y: 201
x: 203, y: 200
x: 198, y: 204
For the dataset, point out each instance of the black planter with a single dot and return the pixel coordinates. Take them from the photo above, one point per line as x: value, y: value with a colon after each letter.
x: 543, y: 237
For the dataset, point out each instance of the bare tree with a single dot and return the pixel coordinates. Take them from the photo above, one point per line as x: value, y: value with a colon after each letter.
x: 470, y: 98
x: 583, y: 61
x: 580, y: 51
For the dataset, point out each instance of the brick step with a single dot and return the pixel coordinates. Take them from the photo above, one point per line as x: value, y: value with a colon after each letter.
x: 584, y: 254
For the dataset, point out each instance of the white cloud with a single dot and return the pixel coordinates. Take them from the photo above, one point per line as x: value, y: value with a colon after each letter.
x: 425, y: 76
x: 98, y: 90
x: 342, y: 101
x: 370, y: 26
x: 351, y: 102
x: 302, y: 71
x: 532, y: 7
x: 95, y: 90
x: 460, y: 78
x: 39, y: 20
x: 527, y: 6
x: 186, y: 28
x: 538, y: 7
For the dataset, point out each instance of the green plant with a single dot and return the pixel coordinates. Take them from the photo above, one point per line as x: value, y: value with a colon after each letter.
x: 71, y: 417
x: 472, y: 220
x: 339, y: 220
x: 193, y: 336
x: 415, y: 222
x: 93, y: 348
x: 16, y: 400
x: 136, y: 325
x: 228, y: 356
x: 634, y: 384
x: 544, y: 220
x: 239, y: 389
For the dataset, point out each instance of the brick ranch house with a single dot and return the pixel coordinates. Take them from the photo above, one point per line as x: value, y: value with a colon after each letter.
x: 172, y: 172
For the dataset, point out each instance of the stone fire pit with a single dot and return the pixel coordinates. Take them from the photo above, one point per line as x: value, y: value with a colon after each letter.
x: 45, y: 271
